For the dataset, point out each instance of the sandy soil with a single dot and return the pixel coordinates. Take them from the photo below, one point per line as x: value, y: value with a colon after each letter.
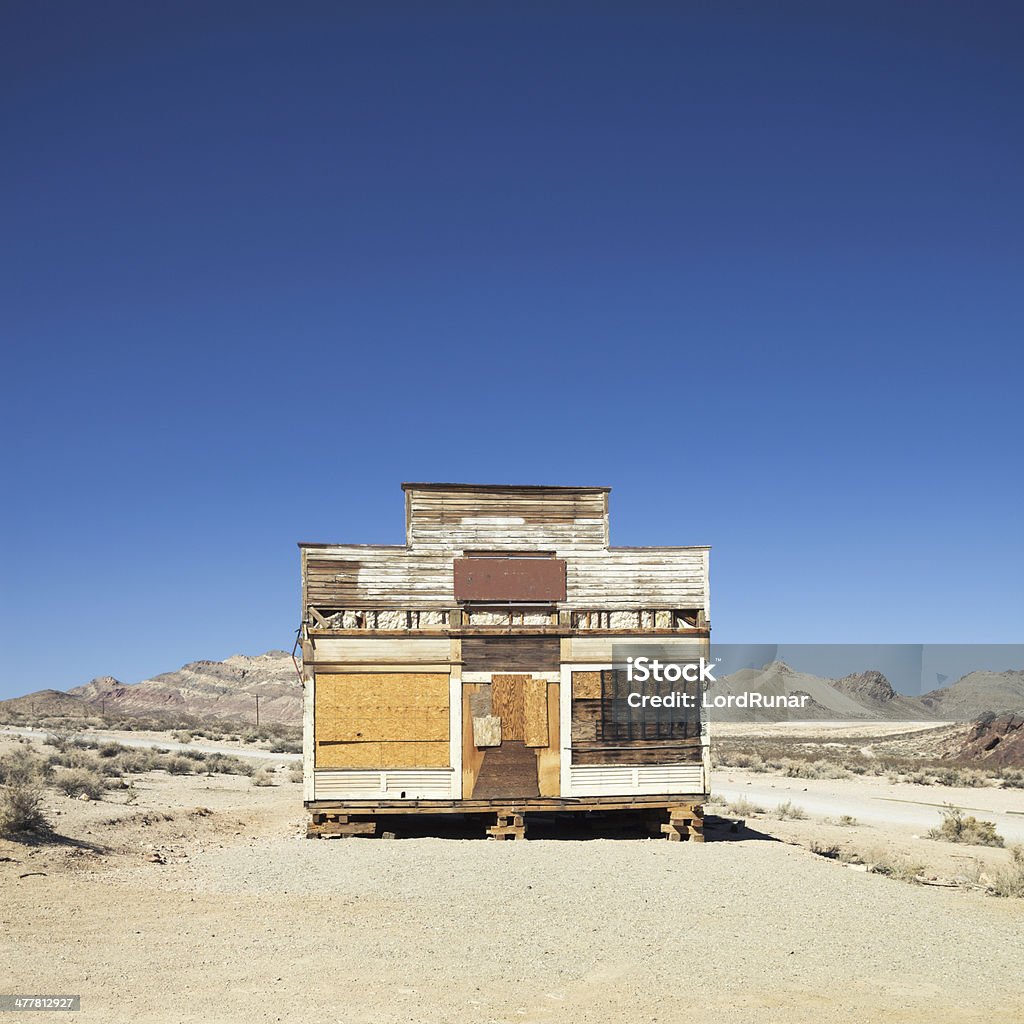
x: 202, y: 902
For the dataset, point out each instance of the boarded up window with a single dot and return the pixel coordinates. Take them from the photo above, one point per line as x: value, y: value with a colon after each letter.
x: 605, y: 730
x: 511, y: 654
x: 382, y: 720
x: 510, y: 579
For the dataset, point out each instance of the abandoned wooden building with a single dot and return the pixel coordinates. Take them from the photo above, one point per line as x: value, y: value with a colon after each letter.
x: 472, y: 669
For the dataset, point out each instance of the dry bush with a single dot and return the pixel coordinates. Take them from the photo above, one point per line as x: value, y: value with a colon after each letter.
x: 965, y: 777
x: 295, y: 771
x: 227, y: 764
x: 743, y: 807
x: 21, y: 795
x: 136, y: 760
x: 81, y: 781
x: 1009, y: 881
x: 958, y: 827
x: 828, y: 850
x: 263, y: 778
x: 790, y: 810
x: 1012, y: 778
x: 178, y: 766
x: 892, y: 865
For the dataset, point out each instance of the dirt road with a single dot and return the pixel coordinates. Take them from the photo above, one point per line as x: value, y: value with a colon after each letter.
x: 875, y: 801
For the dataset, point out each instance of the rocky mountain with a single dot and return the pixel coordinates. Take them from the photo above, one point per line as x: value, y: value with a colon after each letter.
x: 207, y: 689
x: 873, y: 691
x: 977, y: 694
x: 778, y: 679
x: 996, y: 740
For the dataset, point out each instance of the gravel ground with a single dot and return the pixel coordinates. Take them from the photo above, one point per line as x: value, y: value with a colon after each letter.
x: 280, y: 928
x: 200, y: 901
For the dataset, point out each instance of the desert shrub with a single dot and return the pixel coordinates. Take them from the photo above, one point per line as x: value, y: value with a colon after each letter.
x: 894, y: 866
x: 22, y: 763
x: 740, y: 759
x: 286, y: 747
x: 742, y: 807
x: 790, y: 810
x: 183, y: 735
x: 263, y: 778
x: 829, y: 850
x: 193, y: 755
x: 958, y: 827
x: 967, y: 777
x: 134, y: 761
x: 1012, y: 778
x: 59, y: 739
x: 847, y: 820
x: 227, y: 764
x: 81, y: 781
x: 1009, y: 881
x: 295, y: 771
x: 179, y: 766
x: 111, y: 749
x: 21, y: 795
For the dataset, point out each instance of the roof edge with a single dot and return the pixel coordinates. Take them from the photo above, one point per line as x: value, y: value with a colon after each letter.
x: 502, y: 488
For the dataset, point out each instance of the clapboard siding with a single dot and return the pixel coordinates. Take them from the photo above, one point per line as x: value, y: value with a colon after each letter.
x: 608, y: 578
x: 506, y: 518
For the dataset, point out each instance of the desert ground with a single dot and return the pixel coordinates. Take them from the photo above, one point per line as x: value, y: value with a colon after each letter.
x: 201, y: 900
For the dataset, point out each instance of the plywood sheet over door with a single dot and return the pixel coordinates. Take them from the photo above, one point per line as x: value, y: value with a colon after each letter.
x: 526, y: 762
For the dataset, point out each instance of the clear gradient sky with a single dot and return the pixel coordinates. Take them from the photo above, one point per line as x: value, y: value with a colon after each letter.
x: 756, y: 266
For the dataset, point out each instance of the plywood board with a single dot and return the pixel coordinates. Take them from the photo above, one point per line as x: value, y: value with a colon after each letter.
x: 382, y: 755
x: 549, y: 757
x: 535, y: 712
x: 586, y: 685
x: 472, y: 756
x: 487, y: 731
x: 370, y: 707
x: 507, y: 703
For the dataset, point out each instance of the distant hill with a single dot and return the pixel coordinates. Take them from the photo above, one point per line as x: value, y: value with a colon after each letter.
x: 869, y: 695
x: 221, y: 690
x: 45, y: 703
x: 208, y: 689
x: 977, y: 694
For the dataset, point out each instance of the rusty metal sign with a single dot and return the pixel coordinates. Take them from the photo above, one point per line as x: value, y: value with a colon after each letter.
x: 509, y: 579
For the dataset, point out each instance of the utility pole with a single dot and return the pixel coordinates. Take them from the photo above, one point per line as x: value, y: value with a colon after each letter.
x: 257, y: 710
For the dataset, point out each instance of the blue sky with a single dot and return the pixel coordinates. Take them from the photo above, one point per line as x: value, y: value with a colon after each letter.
x: 757, y: 267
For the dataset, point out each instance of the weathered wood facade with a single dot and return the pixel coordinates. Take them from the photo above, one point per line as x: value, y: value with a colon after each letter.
x: 466, y: 670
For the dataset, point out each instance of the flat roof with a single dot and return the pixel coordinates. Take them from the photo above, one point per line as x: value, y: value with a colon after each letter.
x: 501, y: 487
